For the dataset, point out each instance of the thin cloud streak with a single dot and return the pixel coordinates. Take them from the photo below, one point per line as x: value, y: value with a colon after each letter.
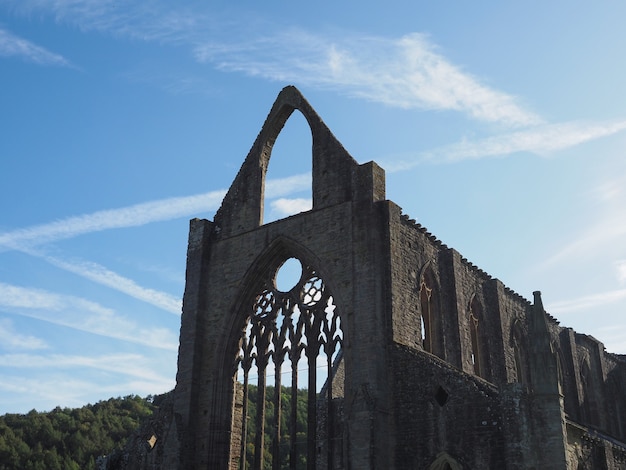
x: 81, y: 314
x: 101, y: 275
x: 14, y: 46
x: 542, y: 140
x: 589, y: 302
x: 598, y: 237
x: 133, y: 365
x: 136, y: 215
x: 131, y: 216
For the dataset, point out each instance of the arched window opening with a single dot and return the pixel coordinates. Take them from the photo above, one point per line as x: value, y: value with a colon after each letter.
x: 475, y: 353
x: 288, y: 184
x: 445, y: 462
x: 426, y: 304
x: 289, y: 376
x: 430, y: 323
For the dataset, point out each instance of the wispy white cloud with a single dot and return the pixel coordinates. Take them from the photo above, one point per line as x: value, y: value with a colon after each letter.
x: 14, y: 46
x: 284, y: 207
x: 12, y: 340
x: 131, y: 216
x: 81, y: 314
x: 101, y: 275
x: 135, y: 365
x: 541, y: 140
x: 404, y: 72
x: 24, y: 239
x: 147, y: 21
x: 589, y: 302
x: 284, y: 186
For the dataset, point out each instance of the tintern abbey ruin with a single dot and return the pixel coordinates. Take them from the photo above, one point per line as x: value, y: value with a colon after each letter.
x: 387, y: 350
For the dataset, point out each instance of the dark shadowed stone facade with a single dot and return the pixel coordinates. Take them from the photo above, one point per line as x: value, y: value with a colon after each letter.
x: 433, y: 363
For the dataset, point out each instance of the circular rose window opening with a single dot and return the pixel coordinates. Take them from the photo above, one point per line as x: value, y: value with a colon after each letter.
x: 288, y: 275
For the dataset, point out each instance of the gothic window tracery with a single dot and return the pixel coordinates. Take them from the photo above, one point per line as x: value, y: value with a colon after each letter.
x: 293, y: 337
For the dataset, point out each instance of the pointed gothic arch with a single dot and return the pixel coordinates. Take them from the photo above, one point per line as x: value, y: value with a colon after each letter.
x: 278, y: 336
x: 290, y: 165
x: 431, y: 320
x: 242, y: 207
x: 517, y: 344
x: 560, y: 371
x: 444, y: 461
x: 477, y: 353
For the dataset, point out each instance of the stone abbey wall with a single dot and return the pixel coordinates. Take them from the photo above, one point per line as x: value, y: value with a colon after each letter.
x: 442, y: 366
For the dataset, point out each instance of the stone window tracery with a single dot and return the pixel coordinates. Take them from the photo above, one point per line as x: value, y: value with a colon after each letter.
x: 293, y: 337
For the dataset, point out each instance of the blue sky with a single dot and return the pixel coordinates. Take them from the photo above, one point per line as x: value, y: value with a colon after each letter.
x: 502, y: 127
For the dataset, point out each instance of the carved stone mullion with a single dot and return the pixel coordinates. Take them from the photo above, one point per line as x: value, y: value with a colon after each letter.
x: 312, y: 332
x: 244, y: 421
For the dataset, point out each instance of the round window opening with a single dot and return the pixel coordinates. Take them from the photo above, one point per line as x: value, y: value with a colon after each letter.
x: 288, y: 275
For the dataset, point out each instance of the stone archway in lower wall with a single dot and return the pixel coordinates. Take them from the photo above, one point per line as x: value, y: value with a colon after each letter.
x: 445, y: 462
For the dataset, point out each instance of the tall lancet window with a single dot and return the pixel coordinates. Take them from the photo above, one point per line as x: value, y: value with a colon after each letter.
x: 426, y: 294
x: 429, y: 313
x: 289, y: 375
x: 473, y: 318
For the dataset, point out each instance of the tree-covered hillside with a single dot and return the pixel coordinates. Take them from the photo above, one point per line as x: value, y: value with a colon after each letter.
x: 70, y: 439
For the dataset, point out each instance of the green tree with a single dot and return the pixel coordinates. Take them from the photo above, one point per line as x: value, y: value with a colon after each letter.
x: 70, y: 439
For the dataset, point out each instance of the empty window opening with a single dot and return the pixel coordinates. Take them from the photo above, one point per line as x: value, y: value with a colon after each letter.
x: 475, y: 353
x: 430, y: 313
x: 426, y: 301
x: 288, y: 184
x: 288, y: 275
x: 289, y: 383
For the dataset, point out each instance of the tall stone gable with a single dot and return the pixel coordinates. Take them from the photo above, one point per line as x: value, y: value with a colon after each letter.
x: 442, y: 366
